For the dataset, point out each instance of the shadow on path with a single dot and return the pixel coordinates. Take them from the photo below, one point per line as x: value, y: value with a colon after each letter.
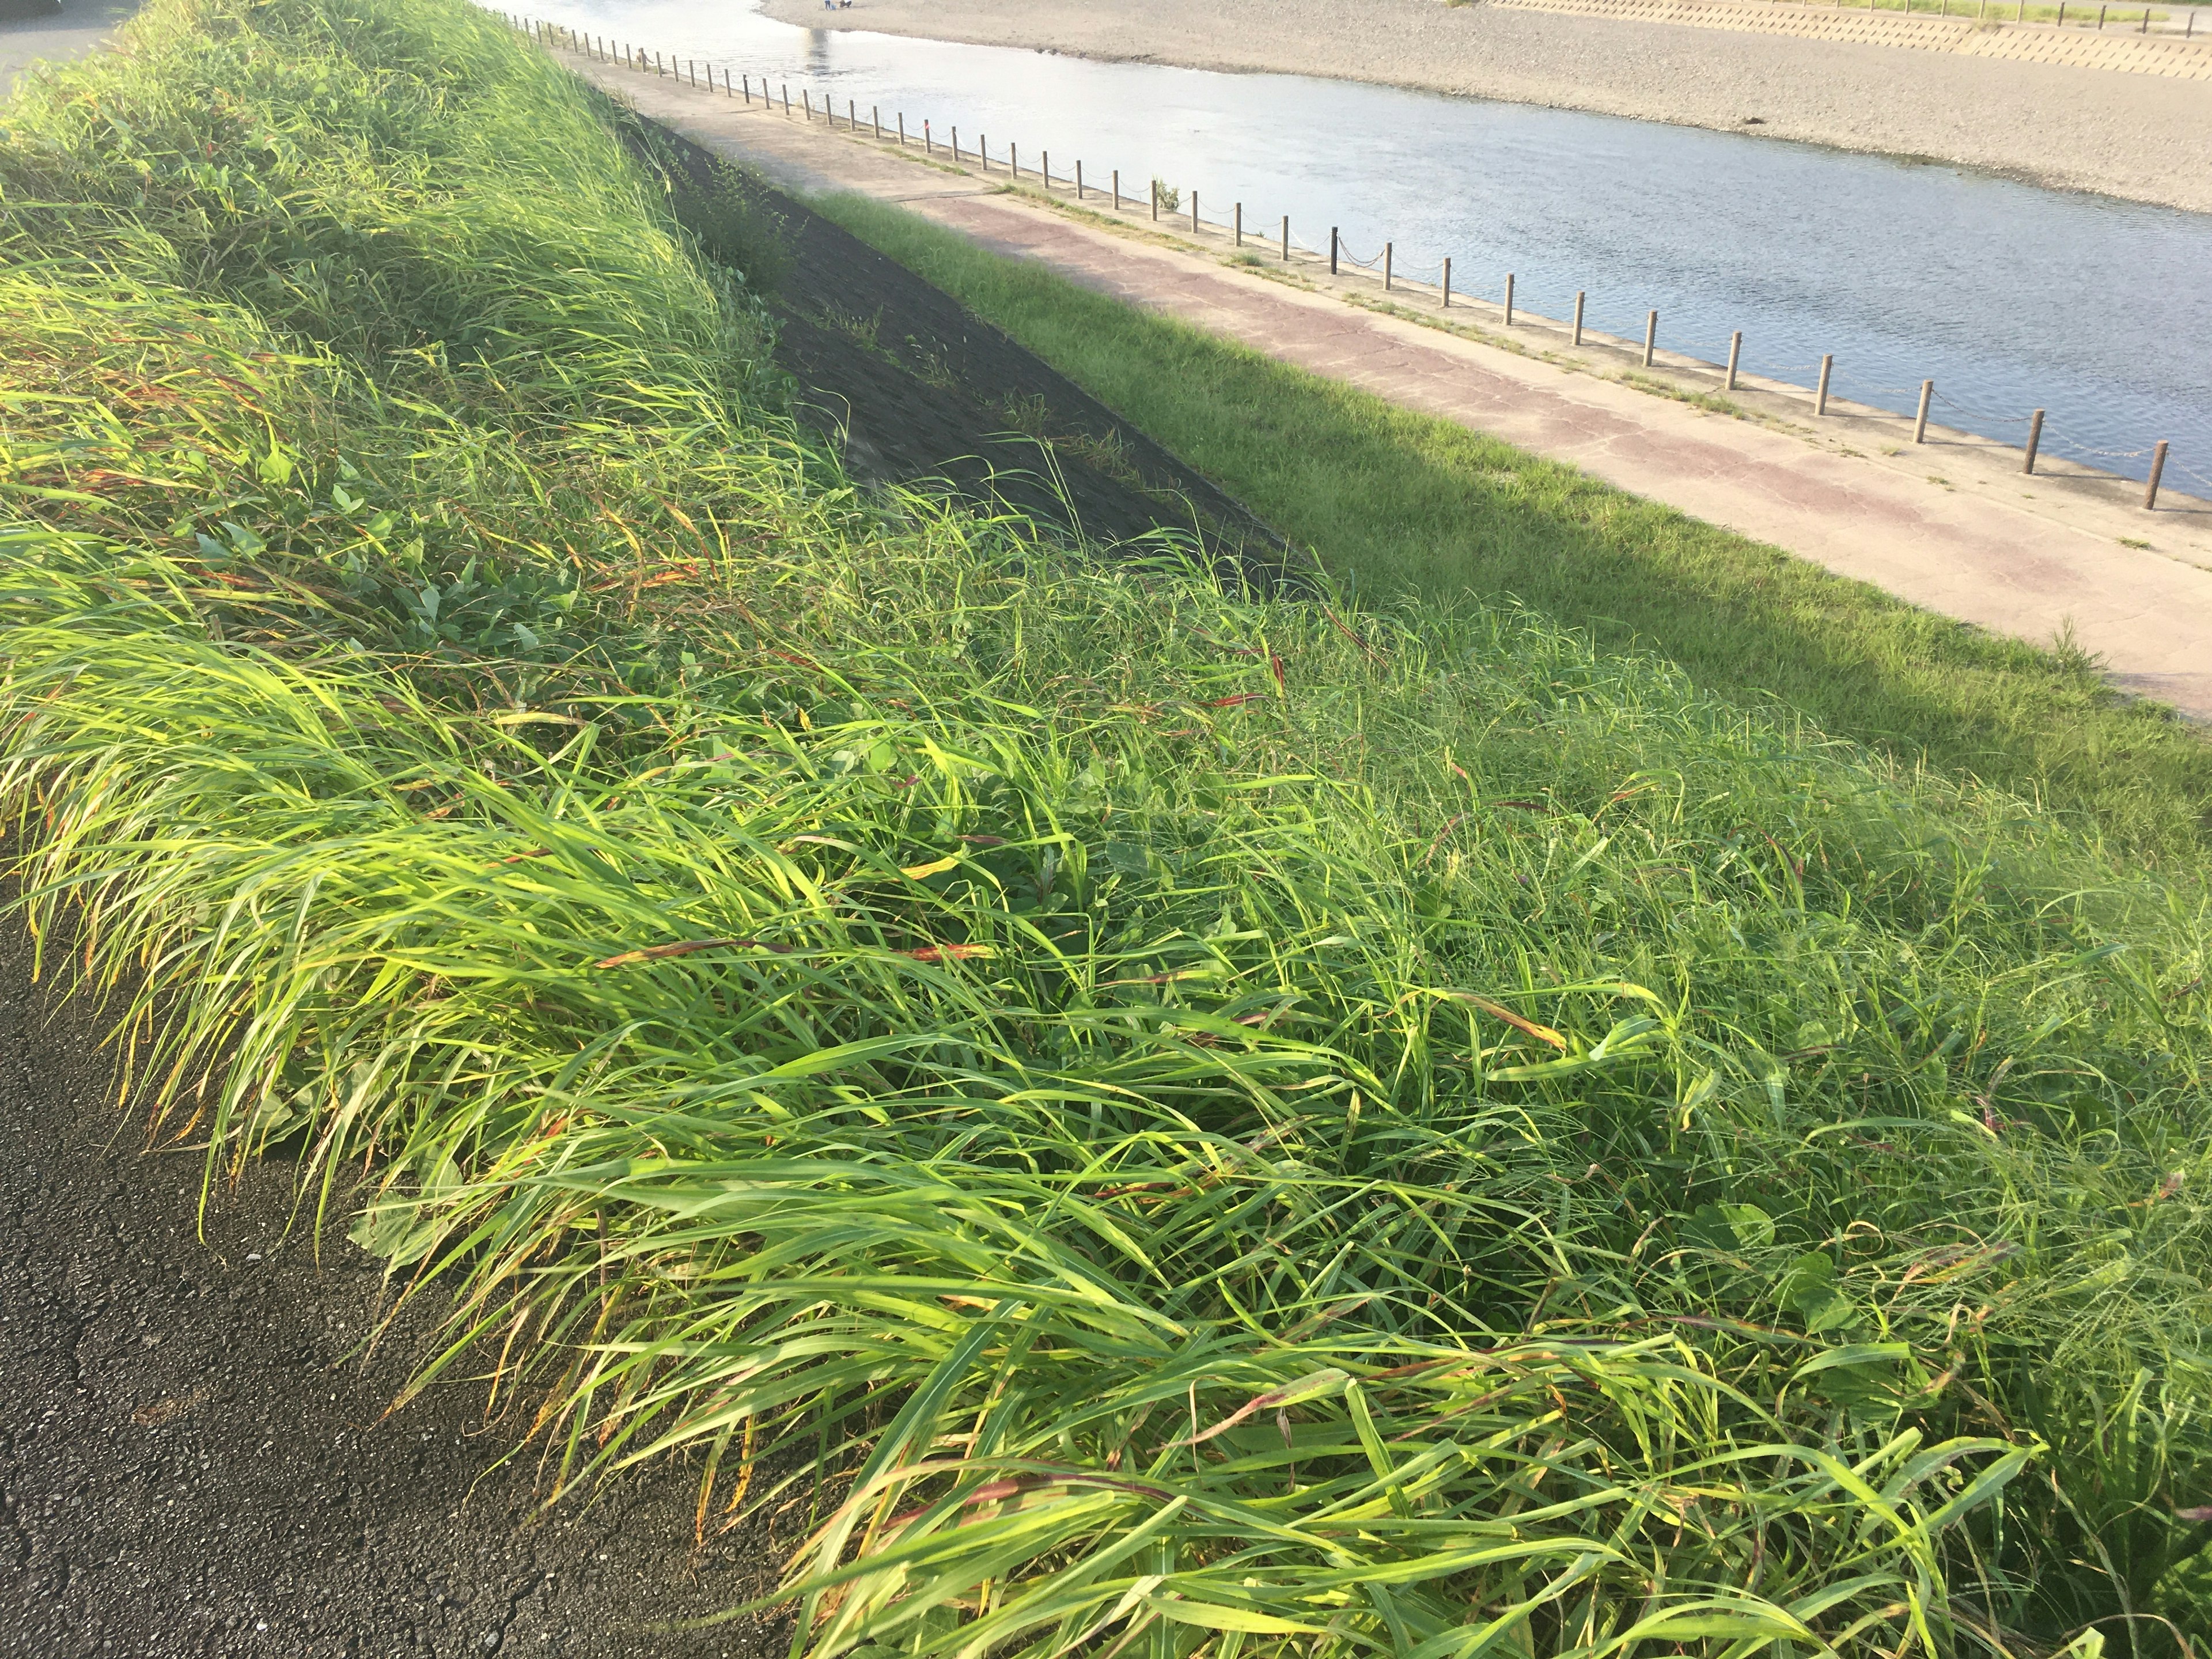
x: 194, y: 1461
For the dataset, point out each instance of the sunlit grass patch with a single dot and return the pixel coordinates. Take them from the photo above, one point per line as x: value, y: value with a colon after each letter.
x: 1208, y: 1121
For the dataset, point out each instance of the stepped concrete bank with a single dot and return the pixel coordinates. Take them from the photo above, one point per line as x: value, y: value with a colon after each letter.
x: 1952, y: 525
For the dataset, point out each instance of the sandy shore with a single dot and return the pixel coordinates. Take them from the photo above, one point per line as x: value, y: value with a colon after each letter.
x: 2141, y: 136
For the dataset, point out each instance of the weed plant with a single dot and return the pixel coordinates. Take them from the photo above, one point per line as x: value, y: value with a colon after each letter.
x: 1204, y: 1122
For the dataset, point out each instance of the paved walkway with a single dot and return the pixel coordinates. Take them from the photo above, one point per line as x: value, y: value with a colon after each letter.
x: 82, y: 25
x: 2023, y: 556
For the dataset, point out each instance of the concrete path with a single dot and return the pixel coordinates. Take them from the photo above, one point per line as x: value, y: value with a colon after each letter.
x: 1952, y: 525
x: 82, y: 25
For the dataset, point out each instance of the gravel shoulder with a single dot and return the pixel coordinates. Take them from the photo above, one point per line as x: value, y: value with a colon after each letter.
x: 2142, y: 137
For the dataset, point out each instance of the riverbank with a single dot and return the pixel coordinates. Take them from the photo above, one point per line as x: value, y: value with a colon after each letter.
x: 918, y: 1025
x: 2137, y: 137
x: 2073, y: 556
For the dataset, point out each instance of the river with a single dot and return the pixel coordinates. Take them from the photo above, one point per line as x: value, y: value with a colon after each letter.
x: 2010, y: 296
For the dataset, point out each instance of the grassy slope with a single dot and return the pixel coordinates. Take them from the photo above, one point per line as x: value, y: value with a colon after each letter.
x: 1605, y: 1167
x: 1402, y: 501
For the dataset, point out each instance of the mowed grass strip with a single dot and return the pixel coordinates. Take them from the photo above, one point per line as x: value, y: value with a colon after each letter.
x: 1404, y: 503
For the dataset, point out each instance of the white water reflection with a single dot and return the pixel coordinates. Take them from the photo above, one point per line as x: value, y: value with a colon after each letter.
x: 2010, y: 296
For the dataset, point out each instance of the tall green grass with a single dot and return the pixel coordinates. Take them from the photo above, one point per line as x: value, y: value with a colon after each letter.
x: 1161, y: 1119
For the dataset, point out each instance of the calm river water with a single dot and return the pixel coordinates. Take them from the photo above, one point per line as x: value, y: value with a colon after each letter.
x: 2011, y: 297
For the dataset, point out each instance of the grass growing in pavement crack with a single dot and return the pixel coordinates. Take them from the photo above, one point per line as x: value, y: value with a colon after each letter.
x: 1225, y: 1123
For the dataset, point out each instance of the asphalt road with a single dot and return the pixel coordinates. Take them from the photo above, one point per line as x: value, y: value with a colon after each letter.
x: 196, y: 1457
